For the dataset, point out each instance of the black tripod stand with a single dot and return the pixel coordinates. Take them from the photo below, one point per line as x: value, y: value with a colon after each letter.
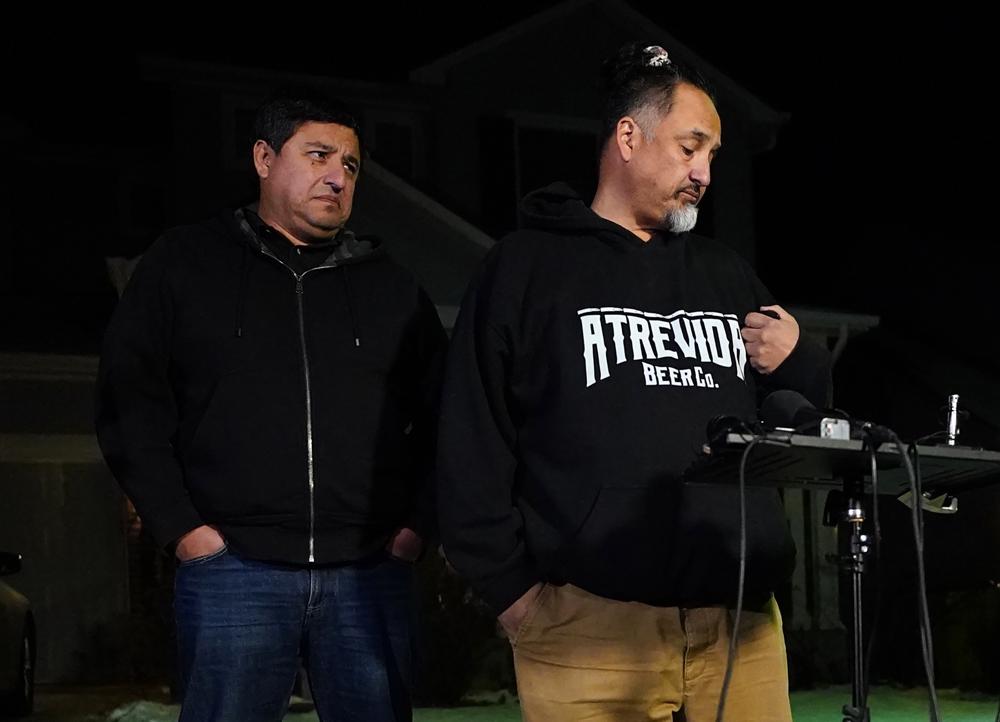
x: 845, y: 508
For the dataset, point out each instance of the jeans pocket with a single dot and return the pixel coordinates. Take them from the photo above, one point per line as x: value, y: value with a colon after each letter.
x: 393, y: 560
x: 204, y: 558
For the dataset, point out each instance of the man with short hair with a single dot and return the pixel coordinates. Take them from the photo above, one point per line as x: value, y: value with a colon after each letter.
x: 266, y: 399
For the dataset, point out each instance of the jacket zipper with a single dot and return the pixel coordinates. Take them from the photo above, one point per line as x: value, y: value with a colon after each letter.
x: 299, y: 292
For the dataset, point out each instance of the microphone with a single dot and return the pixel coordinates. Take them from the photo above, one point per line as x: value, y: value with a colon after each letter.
x: 719, y: 426
x: 791, y: 411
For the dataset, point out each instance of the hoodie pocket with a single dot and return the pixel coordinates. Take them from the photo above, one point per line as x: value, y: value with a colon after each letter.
x: 621, y: 549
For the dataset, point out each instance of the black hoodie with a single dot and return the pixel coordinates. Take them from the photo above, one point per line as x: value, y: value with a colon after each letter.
x: 288, y: 401
x: 583, y: 370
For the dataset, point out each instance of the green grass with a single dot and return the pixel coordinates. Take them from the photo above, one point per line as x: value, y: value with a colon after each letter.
x: 824, y: 705
x: 893, y: 705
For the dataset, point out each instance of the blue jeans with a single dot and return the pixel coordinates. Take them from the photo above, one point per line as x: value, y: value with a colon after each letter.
x: 243, y: 625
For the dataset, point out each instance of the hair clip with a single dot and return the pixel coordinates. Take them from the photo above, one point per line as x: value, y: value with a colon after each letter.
x: 658, y: 56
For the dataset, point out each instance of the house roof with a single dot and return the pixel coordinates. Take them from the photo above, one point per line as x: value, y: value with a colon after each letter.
x: 614, y: 15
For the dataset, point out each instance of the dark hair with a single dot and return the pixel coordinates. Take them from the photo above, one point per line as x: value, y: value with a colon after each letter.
x: 641, y: 77
x: 288, y: 109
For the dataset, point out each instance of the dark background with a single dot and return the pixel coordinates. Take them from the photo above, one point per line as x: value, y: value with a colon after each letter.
x: 875, y: 199
x: 878, y: 197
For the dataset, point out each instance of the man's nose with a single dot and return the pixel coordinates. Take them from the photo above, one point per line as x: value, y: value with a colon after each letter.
x: 335, y: 176
x: 701, y: 173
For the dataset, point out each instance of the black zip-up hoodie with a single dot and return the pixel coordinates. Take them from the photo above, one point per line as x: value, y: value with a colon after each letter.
x: 292, y: 405
x: 583, y: 370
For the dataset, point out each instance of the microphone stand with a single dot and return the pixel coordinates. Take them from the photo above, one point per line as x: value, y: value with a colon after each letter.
x: 850, y: 514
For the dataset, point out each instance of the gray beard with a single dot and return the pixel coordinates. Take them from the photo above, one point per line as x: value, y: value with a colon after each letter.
x: 681, y: 220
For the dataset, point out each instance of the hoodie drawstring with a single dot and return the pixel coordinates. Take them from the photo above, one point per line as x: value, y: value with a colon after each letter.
x: 244, y: 272
x: 350, y: 307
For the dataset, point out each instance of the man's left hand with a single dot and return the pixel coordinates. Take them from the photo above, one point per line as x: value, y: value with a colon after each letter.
x: 769, y: 340
x: 405, y: 544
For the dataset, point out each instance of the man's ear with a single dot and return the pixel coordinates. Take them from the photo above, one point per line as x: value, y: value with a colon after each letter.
x: 263, y: 155
x: 626, y: 137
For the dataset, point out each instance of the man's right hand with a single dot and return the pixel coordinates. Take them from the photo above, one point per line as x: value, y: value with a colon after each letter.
x: 512, y: 617
x: 199, y: 542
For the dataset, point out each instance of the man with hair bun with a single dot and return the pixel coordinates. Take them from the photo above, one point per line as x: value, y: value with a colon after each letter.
x: 591, y: 350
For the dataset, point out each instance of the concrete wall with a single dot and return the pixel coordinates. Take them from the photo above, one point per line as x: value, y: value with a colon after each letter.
x: 60, y: 509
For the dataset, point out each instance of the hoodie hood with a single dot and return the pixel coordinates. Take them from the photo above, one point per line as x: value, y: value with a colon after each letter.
x: 346, y: 247
x: 559, y: 209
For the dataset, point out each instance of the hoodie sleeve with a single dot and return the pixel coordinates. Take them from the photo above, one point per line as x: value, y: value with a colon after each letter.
x: 806, y: 370
x: 427, y: 349
x: 136, y: 416
x: 481, y: 529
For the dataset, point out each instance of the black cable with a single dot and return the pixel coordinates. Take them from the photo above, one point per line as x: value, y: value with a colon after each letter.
x: 916, y: 516
x: 876, y: 545
x: 918, y: 490
x: 731, y: 656
x: 927, y: 636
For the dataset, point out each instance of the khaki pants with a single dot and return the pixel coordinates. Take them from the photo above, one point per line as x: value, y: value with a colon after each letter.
x: 582, y: 657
